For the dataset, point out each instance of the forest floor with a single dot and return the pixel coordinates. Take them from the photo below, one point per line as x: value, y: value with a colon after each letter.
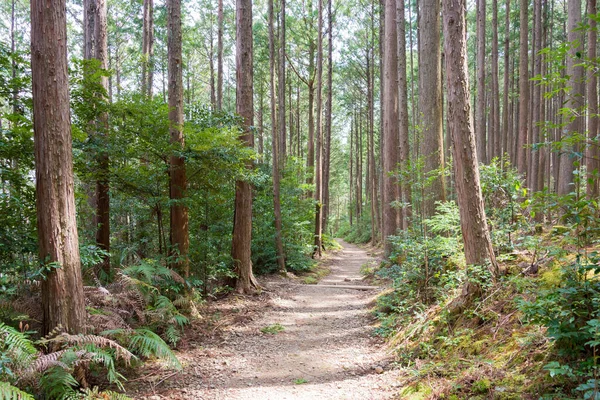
x: 294, y: 341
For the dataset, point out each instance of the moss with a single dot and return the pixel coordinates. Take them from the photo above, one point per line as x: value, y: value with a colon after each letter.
x: 416, y: 391
x: 481, y: 386
x: 551, y: 277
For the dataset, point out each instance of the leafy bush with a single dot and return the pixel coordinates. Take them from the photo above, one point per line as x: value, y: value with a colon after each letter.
x: 571, y: 313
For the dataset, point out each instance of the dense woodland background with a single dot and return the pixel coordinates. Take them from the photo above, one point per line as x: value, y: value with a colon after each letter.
x: 176, y: 149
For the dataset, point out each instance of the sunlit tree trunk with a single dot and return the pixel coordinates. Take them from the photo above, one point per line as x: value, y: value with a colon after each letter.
x: 179, y: 233
x: 62, y: 291
x: 521, y: 140
x: 147, y: 47
x: 390, y: 123
x: 276, y: 159
x: 476, y: 237
x: 592, y: 95
x: 575, y: 98
x: 319, y: 141
x: 480, y: 125
x: 220, y: 55
x: 404, y: 160
x: 430, y: 102
x: 242, y: 221
x: 506, y: 126
x: 328, y: 112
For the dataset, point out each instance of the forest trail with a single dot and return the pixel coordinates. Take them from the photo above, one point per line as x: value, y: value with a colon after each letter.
x: 325, y: 351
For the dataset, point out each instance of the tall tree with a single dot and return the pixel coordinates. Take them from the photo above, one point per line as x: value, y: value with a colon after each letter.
x: 390, y: 123
x: 319, y: 141
x: 593, y: 151
x: 179, y: 232
x: 476, y: 236
x: 495, y: 111
x: 480, y: 126
x: 242, y: 221
x: 404, y: 160
x: 62, y: 289
x: 281, y: 76
x: 575, y: 99
x: 521, y: 140
x: 276, y: 143
x: 430, y: 102
x: 102, y: 183
x: 147, y: 47
x: 535, y: 170
x: 506, y: 126
x: 328, y: 112
x: 220, y: 55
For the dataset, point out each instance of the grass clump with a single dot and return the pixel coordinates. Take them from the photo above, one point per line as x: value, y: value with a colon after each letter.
x: 273, y: 329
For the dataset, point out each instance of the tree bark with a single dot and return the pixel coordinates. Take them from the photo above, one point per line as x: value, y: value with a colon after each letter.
x: 148, y: 48
x: 328, y: 112
x: 179, y: 233
x: 404, y: 153
x: 220, y: 55
x: 275, y: 142
x: 575, y: 97
x: 390, y: 123
x: 521, y: 141
x: 593, y: 151
x: 506, y: 127
x: 319, y: 144
x: 495, y: 127
x: 477, y: 242
x: 537, y: 97
x: 102, y: 184
x: 480, y: 125
x: 242, y: 220
x: 430, y: 105
x: 62, y: 290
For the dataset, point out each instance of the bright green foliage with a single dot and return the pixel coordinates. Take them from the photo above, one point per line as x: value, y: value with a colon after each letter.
x: 9, y: 392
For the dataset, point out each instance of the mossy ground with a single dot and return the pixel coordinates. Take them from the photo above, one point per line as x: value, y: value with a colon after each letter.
x: 486, y: 352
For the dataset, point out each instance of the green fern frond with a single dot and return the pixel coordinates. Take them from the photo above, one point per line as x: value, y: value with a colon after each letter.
x: 98, y: 341
x: 97, y: 394
x: 58, y: 383
x: 146, y: 343
x: 9, y: 392
x: 15, y: 342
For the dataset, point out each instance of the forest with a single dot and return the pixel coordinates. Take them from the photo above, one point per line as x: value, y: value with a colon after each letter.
x: 269, y: 199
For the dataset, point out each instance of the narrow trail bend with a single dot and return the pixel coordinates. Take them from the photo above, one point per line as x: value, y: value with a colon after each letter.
x: 325, y: 351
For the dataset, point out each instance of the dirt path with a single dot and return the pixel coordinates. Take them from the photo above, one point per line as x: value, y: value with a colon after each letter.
x: 325, y: 351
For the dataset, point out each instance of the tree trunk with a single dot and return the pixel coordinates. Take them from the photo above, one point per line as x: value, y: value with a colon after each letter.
x: 319, y: 147
x: 148, y: 48
x: 242, y: 220
x: 328, y: 112
x: 390, y: 123
x: 404, y: 160
x: 477, y: 242
x: 102, y: 184
x: 220, y: 55
x: 521, y: 140
x: 537, y: 97
x: 506, y: 128
x: 481, y: 97
x: 593, y: 152
x: 430, y: 105
x: 179, y: 234
x: 62, y: 290
x: 275, y: 142
x: 575, y: 99
x: 495, y: 127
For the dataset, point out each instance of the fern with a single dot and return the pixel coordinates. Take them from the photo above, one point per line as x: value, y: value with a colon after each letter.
x: 97, y: 341
x: 58, y: 383
x: 9, y: 392
x: 95, y: 393
x: 146, y: 343
x: 16, y: 351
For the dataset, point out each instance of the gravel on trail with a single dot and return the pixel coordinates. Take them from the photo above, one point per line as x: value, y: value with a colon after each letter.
x: 295, y: 341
